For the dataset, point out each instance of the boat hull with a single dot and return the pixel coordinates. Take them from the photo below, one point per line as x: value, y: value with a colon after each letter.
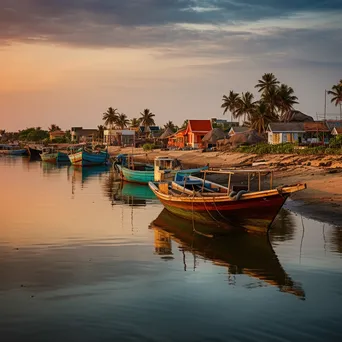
x: 34, y: 152
x: 19, y: 152
x: 251, y: 215
x: 49, y: 157
x: 144, y: 177
x: 84, y: 158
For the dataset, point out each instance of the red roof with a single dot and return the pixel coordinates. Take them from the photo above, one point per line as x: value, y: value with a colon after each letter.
x: 315, y: 126
x: 199, y: 126
x: 338, y: 130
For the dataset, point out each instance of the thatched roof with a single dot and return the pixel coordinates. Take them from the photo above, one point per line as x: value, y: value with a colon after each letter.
x: 166, y: 134
x: 297, y: 116
x: 214, y: 135
x: 250, y: 137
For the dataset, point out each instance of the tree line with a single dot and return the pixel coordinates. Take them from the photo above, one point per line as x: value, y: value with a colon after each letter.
x: 276, y: 103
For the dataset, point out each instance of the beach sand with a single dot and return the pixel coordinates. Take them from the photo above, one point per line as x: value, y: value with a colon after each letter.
x: 322, y: 200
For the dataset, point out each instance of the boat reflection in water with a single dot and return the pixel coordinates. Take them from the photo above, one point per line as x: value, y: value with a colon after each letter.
x: 82, y: 174
x: 247, y: 254
x: 133, y: 194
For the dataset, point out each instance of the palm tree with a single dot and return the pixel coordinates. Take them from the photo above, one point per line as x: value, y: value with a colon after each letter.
x: 336, y: 92
x: 261, y: 117
x: 170, y: 125
x: 268, y: 81
x: 285, y: 101
x: 185, y: 123
x: 135, y: 122
x: 101, y: 129
x: 110, y: 117
x: 231, y: 103
x: 246, y: 106
x: 53, y: 128
x: 122, y: 120
x: 147, y: 118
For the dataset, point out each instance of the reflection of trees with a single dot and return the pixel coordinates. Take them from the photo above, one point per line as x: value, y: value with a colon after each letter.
x: 336, y: 239
x: 111, y: 185
x: 283, y: 228
x: 249, y: 254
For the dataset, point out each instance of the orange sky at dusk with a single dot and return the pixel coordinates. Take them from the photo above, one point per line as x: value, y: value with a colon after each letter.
x: 67, y: 63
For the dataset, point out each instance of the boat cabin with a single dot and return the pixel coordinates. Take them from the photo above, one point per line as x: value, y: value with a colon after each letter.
x: 163, y: 167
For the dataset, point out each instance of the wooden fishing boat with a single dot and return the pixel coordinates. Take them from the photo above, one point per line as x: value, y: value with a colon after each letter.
x: 251, y: 255
x: 88, y: 158
x: 55, y: 157
x: 34, y: 151
x: 12, y: 150
x: 164, y: 168
x: 240, y: 206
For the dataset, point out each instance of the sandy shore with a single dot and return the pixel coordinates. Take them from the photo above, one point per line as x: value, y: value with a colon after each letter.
x: 323, y: 175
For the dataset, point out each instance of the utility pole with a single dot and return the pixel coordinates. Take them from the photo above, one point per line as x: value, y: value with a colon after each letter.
x: 325, y: 105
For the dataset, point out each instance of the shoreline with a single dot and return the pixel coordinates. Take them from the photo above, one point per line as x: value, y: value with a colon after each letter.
x: 322, y: 200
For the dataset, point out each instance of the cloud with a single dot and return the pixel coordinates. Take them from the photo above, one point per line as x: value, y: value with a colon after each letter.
x: 220, y: 30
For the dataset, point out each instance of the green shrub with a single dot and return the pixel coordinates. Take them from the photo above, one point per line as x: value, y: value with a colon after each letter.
x: 336, y: 142
x: 148, y: 147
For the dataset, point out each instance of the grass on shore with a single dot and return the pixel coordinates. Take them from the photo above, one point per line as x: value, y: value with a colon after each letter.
x: 288, y: 148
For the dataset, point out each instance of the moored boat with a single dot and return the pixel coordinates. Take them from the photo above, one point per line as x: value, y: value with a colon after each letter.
x: 49, y: 155
x: 13, y: 150
x: 88, y: 158
x: 164, y: 168
x: 238, y: 206
x: 34, y: 151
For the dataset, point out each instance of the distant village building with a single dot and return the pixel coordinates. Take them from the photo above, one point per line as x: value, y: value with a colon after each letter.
x: 237, y: 129
x: 192, y: 135
x: 56, y: 134
x: 281, y: 132
x: 336, y: 131
x: 80, y: 134
x: 119, y: 137
x: 308, y: 132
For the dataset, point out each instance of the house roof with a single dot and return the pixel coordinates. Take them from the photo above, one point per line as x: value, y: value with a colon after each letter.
x: 239, y: 129
x: 338, y: 130
x: 199, y: 125
x: 166, y: 133
x: 317, y: 126
x: 150, y: 128
x: 333, y: 123
x: 214, y: 135
x: 286, y: 127
x: 180, y: 132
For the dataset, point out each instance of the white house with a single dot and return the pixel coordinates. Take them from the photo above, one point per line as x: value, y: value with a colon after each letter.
x: 283, y: 132
x: 121, y: 137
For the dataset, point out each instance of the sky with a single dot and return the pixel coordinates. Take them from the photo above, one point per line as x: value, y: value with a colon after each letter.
x: 66, y: 62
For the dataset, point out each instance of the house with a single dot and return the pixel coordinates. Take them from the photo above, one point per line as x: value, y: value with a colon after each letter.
x: 195, y: 132
x: 119, y: 137
x: 211, y: 138
x: 149, y: 131
x: 283, y: 132
x: 192, y: 135
x: 336, y: 131
x: 80, y: 134
x: 56, y: 134
x: 177, y: 140
x: 235, y: 130
x: 317, y: 132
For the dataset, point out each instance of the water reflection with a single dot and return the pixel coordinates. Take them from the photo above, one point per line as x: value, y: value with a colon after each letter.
x: 335, y: 238
x: 283, y: 227
x: 247, y: 254
x: 120, y: 192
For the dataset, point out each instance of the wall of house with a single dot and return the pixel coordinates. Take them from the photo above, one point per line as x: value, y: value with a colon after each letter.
x: 284, y: 137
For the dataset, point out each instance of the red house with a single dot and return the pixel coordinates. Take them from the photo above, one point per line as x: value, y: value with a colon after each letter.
x: 192, y: 135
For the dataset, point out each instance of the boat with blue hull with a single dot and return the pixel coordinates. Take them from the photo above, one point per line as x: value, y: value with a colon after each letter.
x: 88, y: 158
x: 12, y: 150
x: 164, y: 169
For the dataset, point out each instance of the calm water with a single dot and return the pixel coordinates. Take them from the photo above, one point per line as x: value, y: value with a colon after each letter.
x: 83, y: 258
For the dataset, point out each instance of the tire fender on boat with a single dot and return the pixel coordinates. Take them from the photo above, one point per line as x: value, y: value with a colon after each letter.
x: 239, y: 194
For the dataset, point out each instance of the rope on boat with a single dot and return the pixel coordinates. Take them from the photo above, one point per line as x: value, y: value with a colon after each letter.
x: 193, y: 224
